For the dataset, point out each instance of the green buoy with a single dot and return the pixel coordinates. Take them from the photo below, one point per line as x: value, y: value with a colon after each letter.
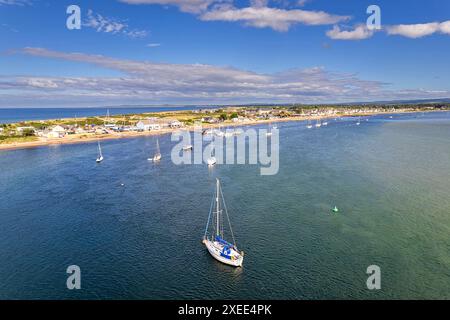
x: 335, y: 209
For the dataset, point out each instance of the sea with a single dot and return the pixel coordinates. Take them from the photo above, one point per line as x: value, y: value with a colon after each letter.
x: 134, y: 227
x: 13, y: 115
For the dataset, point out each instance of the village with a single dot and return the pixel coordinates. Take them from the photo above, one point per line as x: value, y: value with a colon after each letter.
x: 135, y: 124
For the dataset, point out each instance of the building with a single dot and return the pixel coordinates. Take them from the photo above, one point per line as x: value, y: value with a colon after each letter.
x: 147, y: 125
x: 55, y: 132
x: 175, y: 124
x: 21, y: 130
x: 240, y: 119
x: 210, y: 120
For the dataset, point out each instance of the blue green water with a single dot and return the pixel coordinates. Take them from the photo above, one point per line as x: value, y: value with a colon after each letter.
x: 12, y: 115
x: 390, y: 179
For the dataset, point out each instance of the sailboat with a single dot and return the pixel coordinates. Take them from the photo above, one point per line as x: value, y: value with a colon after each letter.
x: 309, y: 125
x: 217, y: 246
x: 318, y: 124
x: 228, y: 133
x: 100, y: 155
x: 359, y: 121
x: 211, y: 161
x: 219, y: 132
x: 325, y: 123
x: 157, y: 155
x: 269, y: 131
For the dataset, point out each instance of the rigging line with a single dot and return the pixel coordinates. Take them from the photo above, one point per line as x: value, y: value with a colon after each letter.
x: 209, y: 216
x: 228, y: 218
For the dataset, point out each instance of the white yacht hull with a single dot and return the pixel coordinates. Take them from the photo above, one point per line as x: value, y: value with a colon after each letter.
x: 215, y: 249
x: 156, y: 158
x: 211, y: 161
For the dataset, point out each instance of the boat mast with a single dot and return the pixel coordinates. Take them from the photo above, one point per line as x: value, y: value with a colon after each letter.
x: 99, y: 149
x: 217, y: 204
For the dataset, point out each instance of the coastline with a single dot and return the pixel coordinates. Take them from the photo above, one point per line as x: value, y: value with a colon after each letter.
x: 82, y: 138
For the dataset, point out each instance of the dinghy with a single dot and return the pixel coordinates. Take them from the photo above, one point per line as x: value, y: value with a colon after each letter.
x: 215, y: 243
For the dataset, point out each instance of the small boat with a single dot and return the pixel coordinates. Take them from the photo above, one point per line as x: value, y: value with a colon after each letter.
x: 188, y: 147
x: 219, y: 132
x: 237, y: 132
x: 215, y: 243
x: 207, y: 132
x: 335, y: 209
x: 228, y: 134
x: 325, y: 123
x: 269, y: 131
x: 211, y: 161
x: 157, y: 157
x: 100, y: 155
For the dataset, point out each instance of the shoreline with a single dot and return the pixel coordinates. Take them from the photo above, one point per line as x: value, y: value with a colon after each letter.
x: 78, y: 139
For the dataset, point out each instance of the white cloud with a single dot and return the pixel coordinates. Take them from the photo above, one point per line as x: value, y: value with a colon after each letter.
x: 150, y: 82
x: 358, y: 33
x: 415, y: 31
x: 277, y: 19
x: 445, y: 27
x: 412, y: 31
x: 15, y: 2
x: 192, y: 6
x: 108, y: 25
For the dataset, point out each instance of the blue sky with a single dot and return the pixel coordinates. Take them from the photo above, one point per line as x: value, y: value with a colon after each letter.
x: 214, y: 52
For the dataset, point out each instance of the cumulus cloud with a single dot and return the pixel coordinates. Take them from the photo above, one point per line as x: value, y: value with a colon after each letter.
x: 419, y: 30
x: 358, y: 33
x: 277, y: 19
x: 150, y: 82
x: 113, y: 26
x: 412, y: 31
x: 192, y: 6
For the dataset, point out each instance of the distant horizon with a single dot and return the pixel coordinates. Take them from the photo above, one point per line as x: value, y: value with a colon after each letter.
x: 268, y: 104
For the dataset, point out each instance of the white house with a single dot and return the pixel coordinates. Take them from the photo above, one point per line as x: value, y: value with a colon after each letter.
x: 175, y: 124
x: 56, y: 132
x: 147, y: 125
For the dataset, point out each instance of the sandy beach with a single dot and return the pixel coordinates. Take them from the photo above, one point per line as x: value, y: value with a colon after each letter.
x: 84, y: 138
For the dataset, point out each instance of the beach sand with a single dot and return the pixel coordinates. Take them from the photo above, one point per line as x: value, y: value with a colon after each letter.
x: 85, y: 138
